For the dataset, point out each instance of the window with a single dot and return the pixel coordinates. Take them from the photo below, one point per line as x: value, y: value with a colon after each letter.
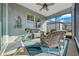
x: 38, y: 22
x: 59, y: 20
x: 30, y: 17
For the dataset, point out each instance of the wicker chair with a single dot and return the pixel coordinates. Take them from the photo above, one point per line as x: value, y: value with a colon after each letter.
x: 52, y: 40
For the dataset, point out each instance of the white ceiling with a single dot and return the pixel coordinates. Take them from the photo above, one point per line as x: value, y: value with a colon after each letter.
x: 57, y: 7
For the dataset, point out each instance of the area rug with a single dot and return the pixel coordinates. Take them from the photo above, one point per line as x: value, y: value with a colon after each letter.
x: 37, y: 49
x: 34, y: 49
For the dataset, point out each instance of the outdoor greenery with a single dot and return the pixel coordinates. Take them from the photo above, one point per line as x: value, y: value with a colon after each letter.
x: 28, y: 30
x: 30, y: 17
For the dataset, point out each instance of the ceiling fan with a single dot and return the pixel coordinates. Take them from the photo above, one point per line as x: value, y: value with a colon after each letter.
x: 45, y: 5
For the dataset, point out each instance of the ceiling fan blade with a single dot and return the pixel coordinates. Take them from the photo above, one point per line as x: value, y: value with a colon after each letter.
x: 47, y: 8
x: 41, y: 9
x: 49, y: 4
x: 39, y: 4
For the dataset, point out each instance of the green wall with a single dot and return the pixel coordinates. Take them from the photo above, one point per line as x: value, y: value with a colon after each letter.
x: 15, y: 10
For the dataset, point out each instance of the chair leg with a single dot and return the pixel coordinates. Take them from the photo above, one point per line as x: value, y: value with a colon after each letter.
x: 61, y: 47
x: 59, y: 50
x: 48, y: 51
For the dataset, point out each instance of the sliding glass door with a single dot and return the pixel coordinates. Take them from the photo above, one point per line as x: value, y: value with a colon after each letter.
x: 2, y: 26
x: 76, y: 24
x: 1, y: 13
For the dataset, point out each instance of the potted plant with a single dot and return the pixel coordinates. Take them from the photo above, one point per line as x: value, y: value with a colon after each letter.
x: 28, y: 30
